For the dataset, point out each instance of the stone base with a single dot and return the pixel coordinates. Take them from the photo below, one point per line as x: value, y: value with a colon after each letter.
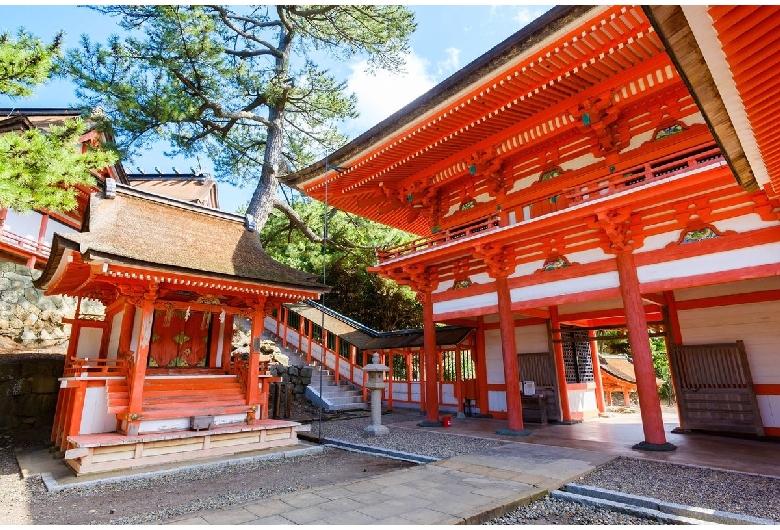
x: 646, y: 446
x: 511, y: 432
x: 680, y: 430
x: 427, y: 423
x: 461, y: 416
x: 376, y: 430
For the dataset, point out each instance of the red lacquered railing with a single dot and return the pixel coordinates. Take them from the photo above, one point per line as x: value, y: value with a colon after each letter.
x: 95, y: 368
x: 601, y: 185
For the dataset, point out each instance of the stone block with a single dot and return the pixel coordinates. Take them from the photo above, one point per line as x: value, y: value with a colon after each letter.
x: 28, y: 336
x: 305, y: 371
x: 58, y: 334
x: 5, y: 283
x: 33, y: 405
x: 32, y: 294
x: 20, y: 387
x: 22, y: 270
x: 31, y: 320
x: 299, y: 389
x: 44, y: 334
x: 7, y: 266
x: 44, y: 384
x: 9, y: 371
x: 4, y: 323
x: 11, y: 296
x: 292, y: 371
x: 16, y: 323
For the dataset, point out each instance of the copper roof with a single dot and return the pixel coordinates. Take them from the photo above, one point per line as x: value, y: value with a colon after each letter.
x: 141, y: 229
x: 198, y: 189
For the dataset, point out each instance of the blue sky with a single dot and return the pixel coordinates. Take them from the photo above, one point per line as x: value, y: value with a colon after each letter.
x: 447, y: 38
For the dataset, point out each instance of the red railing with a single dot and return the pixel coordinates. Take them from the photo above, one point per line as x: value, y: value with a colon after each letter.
x: 643, y: 174
x: 601, y: 185
x: 450, y: 234
x: 25, y: 244
x: 95, y: 368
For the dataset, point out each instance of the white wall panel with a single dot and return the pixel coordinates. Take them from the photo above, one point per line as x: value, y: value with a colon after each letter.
x: 709, y: 263
x: 113, y: 341
x: 770, y: 410
x: 531, y: 339
x: 493, y: 357
x: 497, y: 400
x: 758, y: 325
x: 594, y: 282
x: 461, y: 304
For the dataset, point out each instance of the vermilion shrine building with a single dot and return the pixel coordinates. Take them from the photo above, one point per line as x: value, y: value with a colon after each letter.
x: 153, y: 380
x: 605, y: 166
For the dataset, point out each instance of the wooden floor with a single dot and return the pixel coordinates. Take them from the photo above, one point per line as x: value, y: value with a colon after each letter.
x: 617, y: 434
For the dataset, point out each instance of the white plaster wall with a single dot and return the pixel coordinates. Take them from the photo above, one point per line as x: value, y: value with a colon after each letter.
x: 758, y: 325
x: 448, y: 394
x: 220, y: 344
x: 461, y: 304
x: 744, y: 223
x: 770, y: 410
x: 582, y: 400
x: 113, y: 340
x: 493, y: 358
x: 415, y: 392
x: 95, y: 417
x: 524, y: 269
x: 724, y: 289
x: 89, y: 343
x: 136, y: 329
x: 588, y: 256
x: 593, y: 305
x: 497, y: 400
x: 531, y: 339
x: 400, y: 391
x: 593, y: 282
x: 718, y: 262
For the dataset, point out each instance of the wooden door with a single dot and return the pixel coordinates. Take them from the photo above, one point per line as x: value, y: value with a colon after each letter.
x: 540, y: 368
x: 182, y: 341
x: 715, y: 389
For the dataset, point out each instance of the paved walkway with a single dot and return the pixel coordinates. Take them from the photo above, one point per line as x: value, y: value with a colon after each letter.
x: 465, y: 489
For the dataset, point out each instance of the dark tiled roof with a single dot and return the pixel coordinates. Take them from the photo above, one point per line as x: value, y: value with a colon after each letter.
x: 138, y: 228
x: 365, y: 338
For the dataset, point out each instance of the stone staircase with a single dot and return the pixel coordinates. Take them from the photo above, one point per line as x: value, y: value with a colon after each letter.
x: 334, y: 396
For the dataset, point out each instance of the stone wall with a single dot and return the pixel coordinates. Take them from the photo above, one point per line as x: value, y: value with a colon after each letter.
x: 299, y: 376
x: 28, y: 389
x: 27, y: 317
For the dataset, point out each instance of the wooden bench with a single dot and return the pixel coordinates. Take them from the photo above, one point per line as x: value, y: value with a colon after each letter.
x: 534, y: 403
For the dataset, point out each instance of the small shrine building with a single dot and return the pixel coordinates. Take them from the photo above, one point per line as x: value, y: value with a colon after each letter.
x: 605, y: 167
x: 153, y: 380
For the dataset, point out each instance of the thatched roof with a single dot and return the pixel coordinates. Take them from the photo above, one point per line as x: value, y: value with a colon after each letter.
x: 141, y: 229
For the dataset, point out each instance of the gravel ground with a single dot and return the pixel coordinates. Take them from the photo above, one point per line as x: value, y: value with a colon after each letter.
x: 427, y: 443
x: 155, y: 500
x: 555, y: 511
x: 707, y: 488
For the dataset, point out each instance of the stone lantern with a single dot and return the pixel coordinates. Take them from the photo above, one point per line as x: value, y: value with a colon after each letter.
x: 376, y: 384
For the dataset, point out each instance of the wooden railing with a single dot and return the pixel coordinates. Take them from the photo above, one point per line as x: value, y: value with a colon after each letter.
x: 602, y: 184
x: 450, y: 234
x: 643, y: 174
x: 95, y: 368
x: 25, y: 244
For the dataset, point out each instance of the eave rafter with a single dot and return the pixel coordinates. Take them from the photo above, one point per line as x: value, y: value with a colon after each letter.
x: 585, y: 56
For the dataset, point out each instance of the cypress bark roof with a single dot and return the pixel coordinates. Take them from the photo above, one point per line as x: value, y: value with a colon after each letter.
x: 142, y: 229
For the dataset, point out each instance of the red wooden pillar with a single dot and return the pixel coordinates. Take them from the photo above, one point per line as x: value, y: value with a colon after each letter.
x: 672, y: 320
x: 560, y: 367
x: 650, y: 404
x: 594, y: 357
x: 458, y: 390
x: 309, y: 329
x: 253, y: 371
x: 430, y: 356
x: 514, y: 404
x: 138, y: 368
x: 285, y: 314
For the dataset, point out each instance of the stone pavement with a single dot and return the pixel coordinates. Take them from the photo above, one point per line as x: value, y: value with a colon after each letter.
x: 466, y: 489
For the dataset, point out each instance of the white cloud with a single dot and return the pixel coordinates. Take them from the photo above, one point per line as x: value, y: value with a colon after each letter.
x: 452, y: 63
x: 526, y: 14
x: 382, y: 93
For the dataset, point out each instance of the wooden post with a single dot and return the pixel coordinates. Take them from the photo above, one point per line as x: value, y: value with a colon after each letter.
x: 594, y: 357
x: 429, y: 340
x: 514, y: 404
x: 285, y: 313
x: 308, y: 334
x: 650, y: 404
x: 458, y: 390
x: 138, y: 368
x: 673, y: 337
x: 227, y: 343
x: 253, y: 372
x: 482, y: 393
x: 560, y: 367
